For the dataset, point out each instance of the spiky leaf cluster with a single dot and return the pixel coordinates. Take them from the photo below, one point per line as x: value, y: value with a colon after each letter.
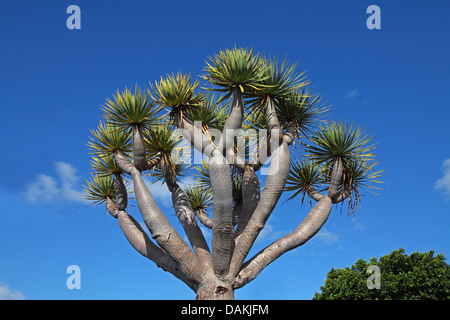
x: 329, y: 142
x: 235, y: 68
x: 200, y: 198
x: 176, y: 91
x: 258, y: 79
x: 99, y: 188
x: 128, y: 109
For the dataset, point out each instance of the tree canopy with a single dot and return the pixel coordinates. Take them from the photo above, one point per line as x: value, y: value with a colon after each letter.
x: 419, y: 276
x: 251, y: 111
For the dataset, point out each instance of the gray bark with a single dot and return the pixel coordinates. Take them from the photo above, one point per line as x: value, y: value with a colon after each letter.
x: 250, y: 197
x: 204, y: 219
x: 120, y: 192
x: 273, y: 188
x: 141, y: 242
x: 138, y: 149
x: 163, y: 232
x: 186, y: 216
x: 305, y: 231
x: 233, y: 122
x: 222, y: 230
x: 213, y: 288
x: 194, y: 135
x: 336, y: 178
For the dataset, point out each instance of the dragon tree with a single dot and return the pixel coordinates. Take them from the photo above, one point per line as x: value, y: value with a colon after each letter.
x: 248, y: 129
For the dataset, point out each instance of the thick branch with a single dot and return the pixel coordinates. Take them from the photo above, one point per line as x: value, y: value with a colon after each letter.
x: 271, y: 117
x: 120, y: 192
x: 139, y: 149
x: 204, y: 219
x: 305, y: 231
x: 163, y: 232
x: 250, y: 197
x: 123, y: 163
x: 221, y: 186
x: 271, y: 142
x: 336, y: 178
x: 185, y: 214
x: 273, y: 188
x: 194, y: 135
x: 141, y: 242
x: 233, y: 122
x: 111, y: 207
x: 314, y: 194
x: 343, y: 194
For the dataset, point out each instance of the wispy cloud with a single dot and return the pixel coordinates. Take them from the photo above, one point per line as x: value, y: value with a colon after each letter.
x: 444, y: 182
x: 358, y: 224
x: 62, y: 186
x: 8, y: 294
x: 327, y: 237
x: 352, y: 94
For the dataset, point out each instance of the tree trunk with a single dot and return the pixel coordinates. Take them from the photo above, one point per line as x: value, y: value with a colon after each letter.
x: 212, y: 288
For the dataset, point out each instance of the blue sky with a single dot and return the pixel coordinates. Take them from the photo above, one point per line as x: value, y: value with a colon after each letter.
x: 394, y: 81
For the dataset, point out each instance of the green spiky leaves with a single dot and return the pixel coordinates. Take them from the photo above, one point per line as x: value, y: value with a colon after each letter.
x: 108, y: 139
x: 200, y: 198
x: 338, y: 139
x: 277, y: 81
x: 302, y: 109
x: 211, y: 113
x: 303, y: 177
x: 270, y: 90
x: 176, y: 91
x: 235, y: 68
x: 329, y: 142
x: 128, y: 109
x: 99, y: 188
x: 160, y: 140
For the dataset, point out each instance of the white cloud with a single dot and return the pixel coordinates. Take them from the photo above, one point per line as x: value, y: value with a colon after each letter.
x: 327, y: 237
x: 444, y: 182
x: 8, y: 294
x: 46, y: 188
x: 43, y: 188
x: 358, y: 224
x: 352, y: 94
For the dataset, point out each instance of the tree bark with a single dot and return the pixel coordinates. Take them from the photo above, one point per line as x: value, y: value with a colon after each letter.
x: 250, y: 197
x: 222, y: 230
x: 139, y: 149
x: 163, y: 232
x: 212, y: 288
x: 273, y: 188
x: 186, y: 216
x: 233, y: 122
x: 312, y: 223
